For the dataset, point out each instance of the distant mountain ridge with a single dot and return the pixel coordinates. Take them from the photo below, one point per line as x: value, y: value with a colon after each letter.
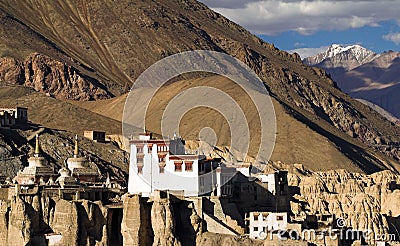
x: 363, y: 74
x: 348, y: 57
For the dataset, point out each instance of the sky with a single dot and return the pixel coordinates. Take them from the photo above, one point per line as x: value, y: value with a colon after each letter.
x: 309, y: 27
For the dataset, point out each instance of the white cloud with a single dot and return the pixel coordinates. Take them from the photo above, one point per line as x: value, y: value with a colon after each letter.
x: 231, y: 4
x: 272, y: 17
x: 394, y: 37
x: 307, y: 52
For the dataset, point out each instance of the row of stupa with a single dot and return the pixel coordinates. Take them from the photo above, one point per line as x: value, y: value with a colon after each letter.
x: 78, y: 170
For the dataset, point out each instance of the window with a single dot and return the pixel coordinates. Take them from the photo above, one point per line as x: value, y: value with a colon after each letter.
x: 140, y: 169
x: 162, y: 148
x: 279, y: 217
x: 139, y: 149
x: 140, y: 160
x: 201, y: 181
x: 178, y: 166
x: 161, y: 159
x: 188, y: 165
x: 161, y: 169
x: 255, y: 228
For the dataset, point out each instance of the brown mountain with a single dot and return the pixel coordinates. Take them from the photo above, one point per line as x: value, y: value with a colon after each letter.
x: 363, y: 74
x: 112, y: 42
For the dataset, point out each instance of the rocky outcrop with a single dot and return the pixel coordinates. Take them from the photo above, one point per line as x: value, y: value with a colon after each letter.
x: 210, y: 238
x: 11, y: 71
x: 163, y: 223
x: 26, y: 219
x: 10, y: 162
x: 363, y: 202
x: 93, y: 227
x: 4, y: 213
x: 51, y: 77
x: 19, y: 223
x: 66, y: 222
x: 136, y: 222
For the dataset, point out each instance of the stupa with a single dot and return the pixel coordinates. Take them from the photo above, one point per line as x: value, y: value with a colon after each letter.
x: 81, y: 168
x: 38, y: 171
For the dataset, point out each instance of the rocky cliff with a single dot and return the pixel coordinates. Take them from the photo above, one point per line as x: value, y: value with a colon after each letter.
x: 28, y: 219
x: 163, y: 223
x: 51, y: 77
x: 362, y: 202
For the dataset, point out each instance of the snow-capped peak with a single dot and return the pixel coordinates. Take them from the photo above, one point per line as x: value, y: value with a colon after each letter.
x: 355, y: 52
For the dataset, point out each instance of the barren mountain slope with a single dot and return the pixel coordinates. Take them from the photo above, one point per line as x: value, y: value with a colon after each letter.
x: 116, y: 40
x: 315, y: 143
x: 53, y: 113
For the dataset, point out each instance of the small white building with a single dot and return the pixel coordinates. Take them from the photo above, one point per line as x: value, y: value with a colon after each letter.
x: 261, y: 223
x: 157, y: 164
x: 10, y: 116
x: 275, y: 182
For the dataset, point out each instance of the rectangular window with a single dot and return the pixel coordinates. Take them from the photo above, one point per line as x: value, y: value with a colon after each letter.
x: 188, y: 166
x: 178, y: 166
x: 161, y: 169
x: 139, y: 149
x: 140, y: 169
x: 162, y: 148
x: 255, y: 228
x: 279, y: 217
x: 201, y: 167
x: 140, y: 160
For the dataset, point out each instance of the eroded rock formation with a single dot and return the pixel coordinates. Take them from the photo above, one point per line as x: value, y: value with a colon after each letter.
x: 19, y: 223
x: 26, y: 220
x: 136, y: 222
x: 51, y: 77
x: 65, y: 222
x: 364, y: 202
x: 163, y: 223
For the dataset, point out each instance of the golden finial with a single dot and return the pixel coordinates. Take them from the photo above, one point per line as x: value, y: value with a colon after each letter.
x: 76, y: 150
x: 37, y: 147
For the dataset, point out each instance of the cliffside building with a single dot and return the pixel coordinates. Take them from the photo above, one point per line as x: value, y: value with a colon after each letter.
x: 96, y: 136
x: 13, y: 116
x: 261, y: 223
x: 157, y: 164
